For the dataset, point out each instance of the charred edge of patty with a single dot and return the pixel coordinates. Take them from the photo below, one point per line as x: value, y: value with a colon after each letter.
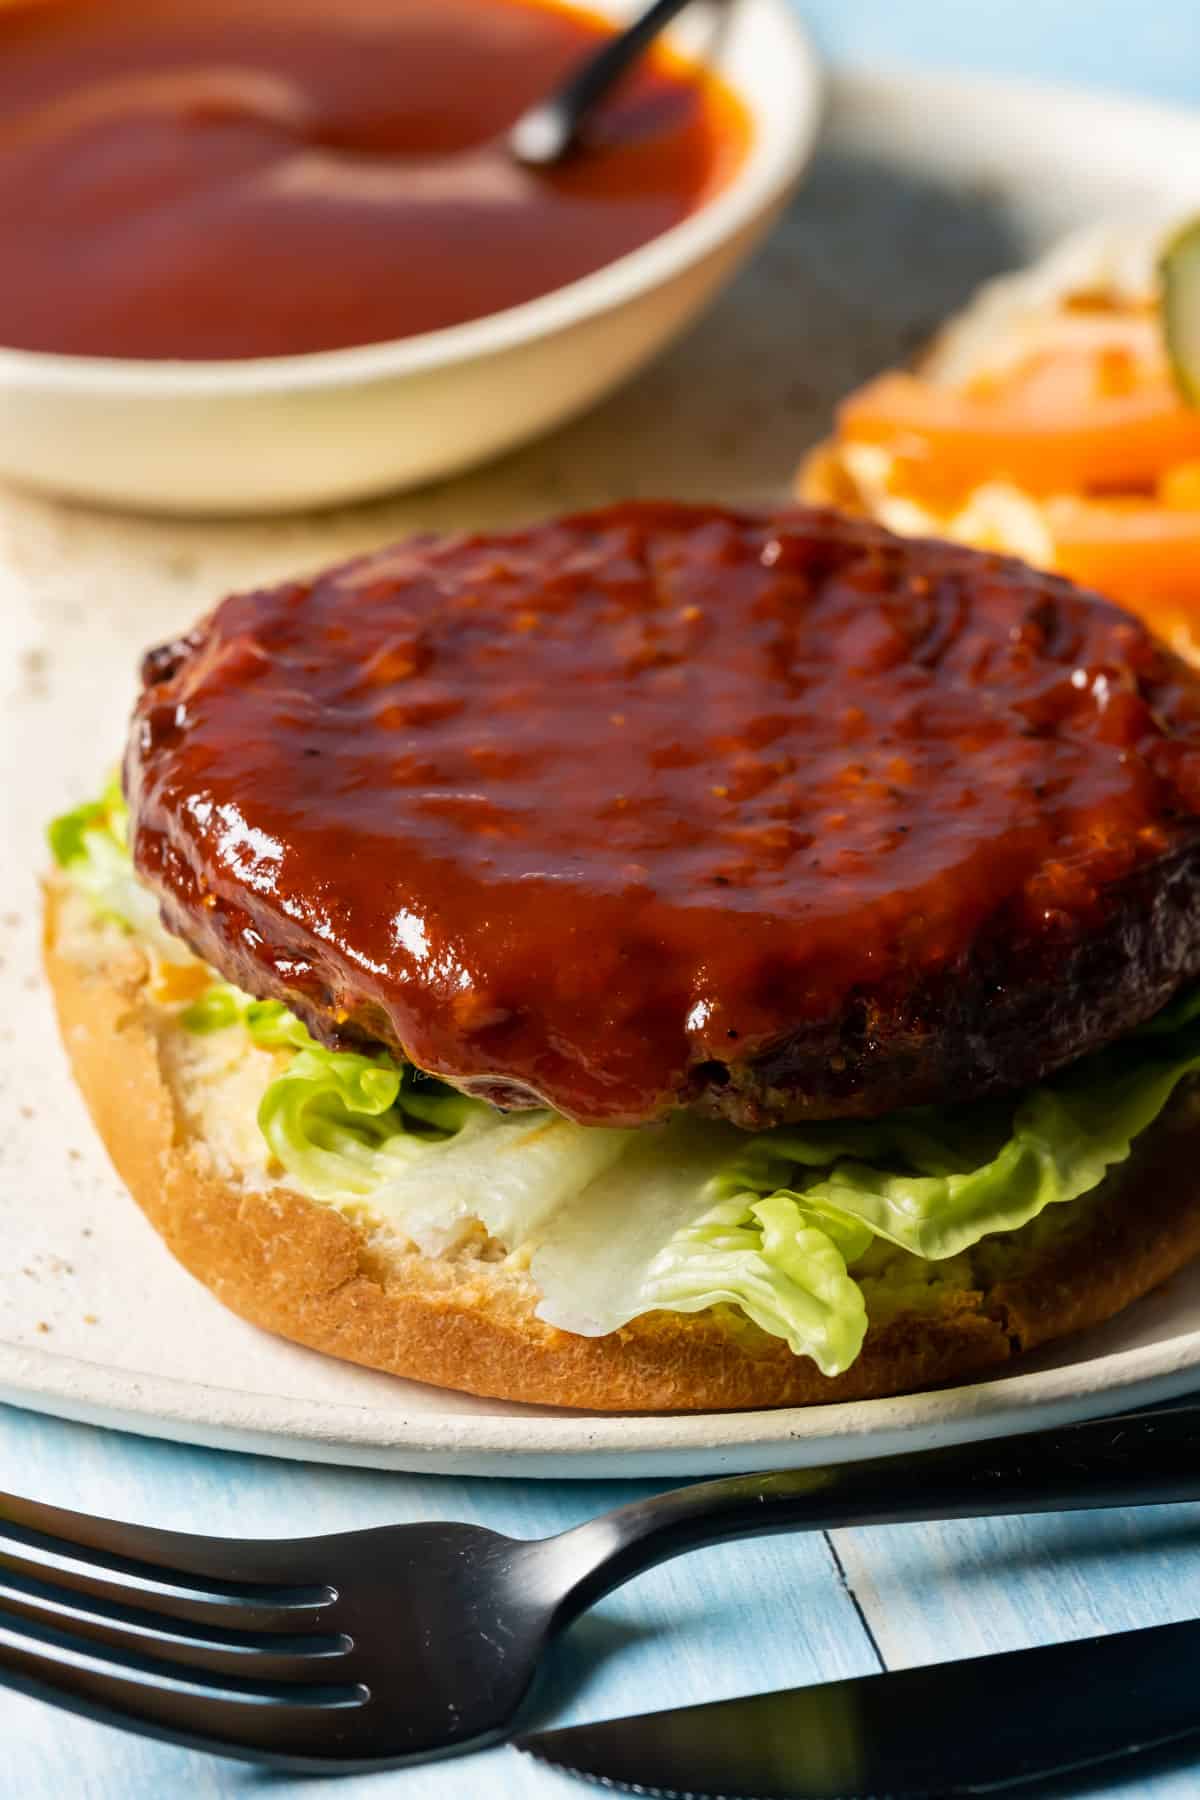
x: 1003, y: 1016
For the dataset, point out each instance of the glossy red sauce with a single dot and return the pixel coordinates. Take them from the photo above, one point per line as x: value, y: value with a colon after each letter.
x: 232, y: 178
x: 587, y: 805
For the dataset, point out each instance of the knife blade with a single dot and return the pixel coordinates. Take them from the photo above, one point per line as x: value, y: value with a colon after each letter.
x: 980, y: 1726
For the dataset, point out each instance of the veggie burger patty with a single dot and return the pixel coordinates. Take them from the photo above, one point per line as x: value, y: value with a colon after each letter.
x: 775, y: 817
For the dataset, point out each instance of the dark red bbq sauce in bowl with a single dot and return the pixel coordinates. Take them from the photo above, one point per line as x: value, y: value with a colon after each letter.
x: 212, y: 179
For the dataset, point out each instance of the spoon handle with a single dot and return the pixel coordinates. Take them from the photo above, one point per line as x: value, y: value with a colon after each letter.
x: 547, y: 131
x: 1141, y: 1459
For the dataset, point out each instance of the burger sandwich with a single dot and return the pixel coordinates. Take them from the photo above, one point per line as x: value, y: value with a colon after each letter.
x: 666, y: 958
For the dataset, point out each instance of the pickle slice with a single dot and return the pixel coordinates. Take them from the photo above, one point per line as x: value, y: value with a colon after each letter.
x: 1179, y: 269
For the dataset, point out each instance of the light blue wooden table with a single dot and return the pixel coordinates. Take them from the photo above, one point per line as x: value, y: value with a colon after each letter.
x: 727, y: 1620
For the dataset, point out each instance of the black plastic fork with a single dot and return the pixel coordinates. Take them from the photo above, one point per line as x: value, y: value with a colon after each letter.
x: 402, y: 1643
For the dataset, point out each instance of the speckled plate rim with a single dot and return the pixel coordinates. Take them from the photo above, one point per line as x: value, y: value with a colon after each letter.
x: 529, y: 1442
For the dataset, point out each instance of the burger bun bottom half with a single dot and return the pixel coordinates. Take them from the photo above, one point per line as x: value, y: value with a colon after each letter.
x: 180, y: 1133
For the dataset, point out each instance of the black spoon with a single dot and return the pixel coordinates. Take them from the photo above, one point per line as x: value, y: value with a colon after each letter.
x: 548, y: 130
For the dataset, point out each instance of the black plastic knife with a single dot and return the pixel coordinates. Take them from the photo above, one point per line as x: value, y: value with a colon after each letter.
x: 977, y: 1727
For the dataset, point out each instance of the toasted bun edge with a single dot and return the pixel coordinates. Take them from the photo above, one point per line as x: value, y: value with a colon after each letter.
x: 304, y: 1271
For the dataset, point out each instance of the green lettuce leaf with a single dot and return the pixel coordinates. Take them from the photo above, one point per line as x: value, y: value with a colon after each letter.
x: 69, y: 834
x: 695, y: 1214
x: 936, y: 1182
x: 89, y: 845
x: 339, y: 1122
x: 342, y: 1123
x: 771, y: 1258
x: 656, y: 1231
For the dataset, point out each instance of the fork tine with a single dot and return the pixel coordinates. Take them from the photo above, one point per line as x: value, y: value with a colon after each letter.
x: 270, y: 1656
x: 246, y: 1585
x: 257, y: 1561
x: 300, y: 1727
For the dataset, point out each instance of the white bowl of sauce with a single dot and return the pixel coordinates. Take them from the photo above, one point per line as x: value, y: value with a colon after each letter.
x: 264, y: 257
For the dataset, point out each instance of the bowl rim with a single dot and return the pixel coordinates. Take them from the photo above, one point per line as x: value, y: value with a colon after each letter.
x: 774, y: 161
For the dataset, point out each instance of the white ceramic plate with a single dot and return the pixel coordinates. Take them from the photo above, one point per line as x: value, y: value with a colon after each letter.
x: 926, y: 186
